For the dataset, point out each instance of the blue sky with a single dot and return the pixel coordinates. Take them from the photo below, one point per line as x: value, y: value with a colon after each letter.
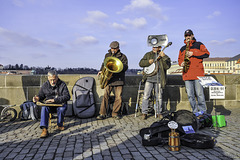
x: 77, y: 33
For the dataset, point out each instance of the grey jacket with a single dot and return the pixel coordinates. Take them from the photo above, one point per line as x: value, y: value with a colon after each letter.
x: 164, y: 64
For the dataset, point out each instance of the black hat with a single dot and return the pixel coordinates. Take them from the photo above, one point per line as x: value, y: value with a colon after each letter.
x: 114, y: 44
x: 188, y: 32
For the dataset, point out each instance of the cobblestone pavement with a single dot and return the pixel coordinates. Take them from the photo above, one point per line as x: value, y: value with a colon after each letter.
x: 108, y: 139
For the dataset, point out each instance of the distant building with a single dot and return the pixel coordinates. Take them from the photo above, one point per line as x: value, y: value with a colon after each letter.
x: 16, y: 72
x: 217, y: 65
x: 1, y: 67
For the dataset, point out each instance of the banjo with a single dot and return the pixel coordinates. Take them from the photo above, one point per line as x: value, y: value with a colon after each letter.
x: 152, y: 69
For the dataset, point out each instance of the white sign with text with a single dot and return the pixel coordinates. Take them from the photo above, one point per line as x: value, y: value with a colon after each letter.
x: 217, y: 92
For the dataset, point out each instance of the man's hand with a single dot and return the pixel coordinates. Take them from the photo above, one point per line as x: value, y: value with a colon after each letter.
x: 151, y: 61
x: 161, y: 54
x: 182, y: 64
x: 35, y: 99
x: 100, y: 72
x: 50, y: 101
x: 189, y: 53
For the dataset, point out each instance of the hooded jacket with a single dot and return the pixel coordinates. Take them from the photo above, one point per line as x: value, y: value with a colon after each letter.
x: 164, y: 64
x: 59, y: 92
x: 118, y: 79
x: 196, y: 60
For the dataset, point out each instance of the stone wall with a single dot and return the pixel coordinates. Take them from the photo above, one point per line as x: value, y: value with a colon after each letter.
x: 15, y: 89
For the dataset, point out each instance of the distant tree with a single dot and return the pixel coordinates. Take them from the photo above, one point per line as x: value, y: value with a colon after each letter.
x: 25, y: 67
x: 21, y: 66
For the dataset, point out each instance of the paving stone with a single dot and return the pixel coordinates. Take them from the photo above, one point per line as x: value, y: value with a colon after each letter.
x: 108, y: 139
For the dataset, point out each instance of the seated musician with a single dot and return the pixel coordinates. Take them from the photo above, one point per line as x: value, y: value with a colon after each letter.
x: 53, y: 91
x: 164, y: 63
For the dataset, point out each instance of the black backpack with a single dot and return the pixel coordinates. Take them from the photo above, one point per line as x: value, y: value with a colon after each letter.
x: 122, y: 111
x: 158, y: 132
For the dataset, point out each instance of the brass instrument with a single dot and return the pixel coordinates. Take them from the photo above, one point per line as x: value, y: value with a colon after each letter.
x: 186, y: 58
x: 111, y: 65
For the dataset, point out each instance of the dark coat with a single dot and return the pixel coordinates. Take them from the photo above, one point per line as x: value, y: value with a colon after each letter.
x: 59, y: 93
x: 164, y: 64
x: 118, y: 79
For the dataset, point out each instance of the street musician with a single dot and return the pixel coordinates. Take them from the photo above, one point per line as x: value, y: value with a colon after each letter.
x: 112, y: 74
x: 194, y: 52
x: 54, y: 92
x: 156, y: 81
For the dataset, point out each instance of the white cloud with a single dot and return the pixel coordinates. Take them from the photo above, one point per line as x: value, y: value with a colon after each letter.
x: 147, y: 7
x: 86, y: 40
x: 226, y: 41
x: 119, y: 26
x: 214, y: 14
x: 95, y: 17
x: 137, y: 22
x: 25, y: 40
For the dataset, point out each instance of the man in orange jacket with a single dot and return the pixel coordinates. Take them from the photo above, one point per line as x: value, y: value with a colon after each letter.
x: 195, y: 52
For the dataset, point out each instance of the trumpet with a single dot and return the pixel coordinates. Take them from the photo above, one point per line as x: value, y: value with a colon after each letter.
x: 111, y: 65
x: 186, y: 58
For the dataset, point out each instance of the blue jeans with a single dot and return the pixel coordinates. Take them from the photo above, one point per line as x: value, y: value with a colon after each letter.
x: 194, y: 87
x: 45, y: 115
x: 147, y: 93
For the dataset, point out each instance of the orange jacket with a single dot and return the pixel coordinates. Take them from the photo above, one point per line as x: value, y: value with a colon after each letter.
x: 196, y: 66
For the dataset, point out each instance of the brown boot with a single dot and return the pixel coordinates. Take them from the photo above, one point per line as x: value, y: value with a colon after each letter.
x: 159, y: 116
x: 44, y: 133
x: 144, y: 116
x: 61, y: 128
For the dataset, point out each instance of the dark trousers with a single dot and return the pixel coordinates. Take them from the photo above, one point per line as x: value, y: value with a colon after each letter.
x: 117, y: 103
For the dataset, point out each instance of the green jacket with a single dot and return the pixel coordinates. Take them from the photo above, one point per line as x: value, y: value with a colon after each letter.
x: 164, y: 65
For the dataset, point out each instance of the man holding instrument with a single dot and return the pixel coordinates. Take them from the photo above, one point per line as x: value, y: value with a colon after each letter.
x: 115, y: 83
x: 157, y: 81
x: 194, y: 52
x: 55, y: 94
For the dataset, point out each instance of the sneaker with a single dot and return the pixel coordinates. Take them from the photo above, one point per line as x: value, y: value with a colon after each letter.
x: 144, y: 116
x: 101, y: 117
x: 117, y: 117
x: 61, y: 128
x: 44, y: 133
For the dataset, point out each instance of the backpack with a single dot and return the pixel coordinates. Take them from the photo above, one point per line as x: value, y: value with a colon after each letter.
x: 122, y: 111
x: 83, y: 98
x: 29, y: 110
x: 158, y: 132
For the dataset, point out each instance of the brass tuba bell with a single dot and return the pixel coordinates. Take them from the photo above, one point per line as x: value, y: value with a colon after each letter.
x: 111, y: 65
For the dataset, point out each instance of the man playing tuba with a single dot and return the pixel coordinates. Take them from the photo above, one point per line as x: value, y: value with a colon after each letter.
x: 112, y: 74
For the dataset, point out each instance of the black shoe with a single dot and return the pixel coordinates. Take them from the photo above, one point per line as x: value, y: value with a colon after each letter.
x: 117, y: 117
x: 101, y: 117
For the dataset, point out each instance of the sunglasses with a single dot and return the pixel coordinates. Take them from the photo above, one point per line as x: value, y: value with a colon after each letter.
x: 187, y: 35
